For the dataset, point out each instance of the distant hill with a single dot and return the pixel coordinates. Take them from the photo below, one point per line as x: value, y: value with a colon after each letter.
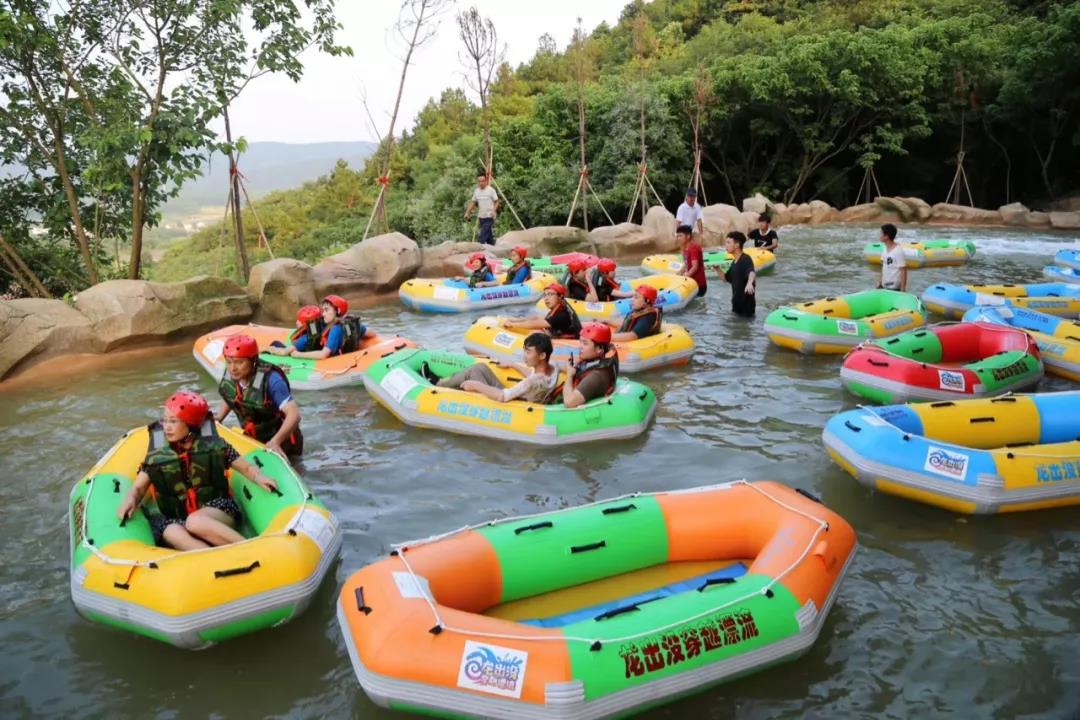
x: 267, y: 166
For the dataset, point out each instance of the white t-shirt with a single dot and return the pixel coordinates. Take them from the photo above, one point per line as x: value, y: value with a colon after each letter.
x: 892, y: 262
x: 689, y: 215
x: 485, y: 201
x: 533, y: 388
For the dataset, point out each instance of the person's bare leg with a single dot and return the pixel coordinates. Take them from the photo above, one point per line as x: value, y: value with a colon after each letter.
x: 213, y: 526
x: 179, y: 538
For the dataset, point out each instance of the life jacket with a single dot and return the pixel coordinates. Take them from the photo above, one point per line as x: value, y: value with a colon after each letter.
x: 657, y: 319
x: 478, y: 275
x: 509, y: 280
x: 575, y: 321
x: 607, y: 364
x: 313, y: 331
x: 352, y: 333
x: 576, y: 289
x: 184, y: 482
x: 258, y: 414
x: 604, y: 287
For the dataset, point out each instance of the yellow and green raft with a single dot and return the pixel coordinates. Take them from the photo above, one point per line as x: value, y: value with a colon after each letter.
x: 834, y: 325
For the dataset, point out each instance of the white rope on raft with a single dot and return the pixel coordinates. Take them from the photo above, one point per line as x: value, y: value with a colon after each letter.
x: 822, y: 527
x: 1013, y: 451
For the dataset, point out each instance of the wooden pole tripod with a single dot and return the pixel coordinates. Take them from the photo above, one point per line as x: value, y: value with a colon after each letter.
x: 953, y: 196
x: 865, y: 186
x: 640, y: 195
x: 584, y: 187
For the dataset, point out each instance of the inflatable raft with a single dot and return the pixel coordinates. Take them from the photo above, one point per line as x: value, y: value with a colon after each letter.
x: 1006, y: 454
x: 932, y: 253
x: 1052, y: 298
x: 671, y: 346
x: 1068, y: 258
x: 837, y: 324
x: 943, y: 362
x: 764, y: 260
x: 303, y: 373
x: 674, y: 293
x: 447, y: 295
x: 555, y: 264
x: 596, y: 611
x: 1058, y: 339
x: 397, y: 384
x: 1058, y: 273
x: 197, y: 598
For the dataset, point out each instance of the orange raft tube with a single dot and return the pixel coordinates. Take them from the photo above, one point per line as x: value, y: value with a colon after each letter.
x: 597, y: 610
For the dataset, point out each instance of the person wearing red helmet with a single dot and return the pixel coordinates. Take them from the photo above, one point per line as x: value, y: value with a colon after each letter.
x: 539, y: 376
x: 520, y: 270
x: 258, y: 392
x: 605, y: 285
x: 186, y: 463
x: 480, y: 272
x: 594, y: 374
x: 561, y: 321
x: 578, y: 285
x: 342, y: 333
x: 644, y: 318
x: 308, y: 333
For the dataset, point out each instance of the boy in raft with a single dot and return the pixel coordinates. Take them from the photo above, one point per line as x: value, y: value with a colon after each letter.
x: 644, y: 318
x: 578, y: 285
x: 595, y: 372
x: 480, y: 274
x: 604, y: 283
x: 520, y: 271
x: 763, y: 235
x: 258, y: 392
x: 540, y: 376
x: 186, y: 463
x: 693, y: 258
x: 740, y: 275
x: 893, y: 262
x: 561, y: 320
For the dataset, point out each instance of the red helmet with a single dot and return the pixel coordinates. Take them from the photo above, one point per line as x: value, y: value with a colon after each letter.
x: 477, y: 256
x: 190, y: 407
x: 309, y: 313
x: 606, y: 265
x: 576, y: 266
x: 556, y: 288
x: 598, y: 332
x: 646, y: 291
x: 340, y: 304
x: 241, y: 346
x: 521, y: 252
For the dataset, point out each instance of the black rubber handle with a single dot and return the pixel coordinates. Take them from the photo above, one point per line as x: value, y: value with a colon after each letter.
x: 715, y: 581
x: 947, y: 403
x: 791, y: 317
x: 916, y: 351
x: 586, y: 548
x: 981, y: 420
x: 360, y: 605
x: 1005, y: 399
x: 534, y: 526
x: 258, y: 461
x: 247, y: 493
x: 115, y: 485
x: 878, y: 363
x: 619, y: 509
x: 617, y: 611
x: 848, y: 424
x: 236, y: 571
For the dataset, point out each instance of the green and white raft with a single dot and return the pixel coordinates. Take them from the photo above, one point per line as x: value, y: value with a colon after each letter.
x: 397, y: 383
x: 837, y: 324
x: 932, y: 253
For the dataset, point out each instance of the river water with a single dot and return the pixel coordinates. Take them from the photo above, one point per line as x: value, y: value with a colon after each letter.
x: 939, y: 616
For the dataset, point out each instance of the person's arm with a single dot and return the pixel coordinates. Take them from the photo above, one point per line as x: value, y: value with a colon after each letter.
x: 288, y: 425
x: 333, y: 344
x: 222, y: 412
x: 527, y: 323
x: 470, y: 207
x: 134, y: 497
x: 495, y: 207
x: 254, y: 474
x: 637, y: 330
x: 903, y: 277
x: 480, y: 388
x: 700, y: 225
x: 775, y: 243
x: 751, y: 282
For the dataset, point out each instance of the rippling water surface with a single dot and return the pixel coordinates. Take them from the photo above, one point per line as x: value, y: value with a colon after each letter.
x: 939, y: 616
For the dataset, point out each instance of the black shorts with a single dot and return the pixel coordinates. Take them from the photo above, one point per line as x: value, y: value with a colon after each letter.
x: 701, y: 290
x: 159, y: 522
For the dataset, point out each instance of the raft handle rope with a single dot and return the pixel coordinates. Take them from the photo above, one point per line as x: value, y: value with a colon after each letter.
x: 593, y: 643
x: 289, y: 529
x: 243, y: 570
x: 534, y: 526
x: 361, y: 606
x: 575, y: 549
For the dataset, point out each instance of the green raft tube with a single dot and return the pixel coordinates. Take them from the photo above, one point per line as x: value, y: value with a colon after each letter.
x: 837, y: 324
x: 397, y: 383
x: 932, y: 253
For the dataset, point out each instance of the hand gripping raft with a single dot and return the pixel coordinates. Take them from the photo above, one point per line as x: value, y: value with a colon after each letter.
x: 598, y: 610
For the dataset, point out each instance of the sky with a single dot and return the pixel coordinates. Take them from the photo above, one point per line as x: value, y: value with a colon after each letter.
x: 327, y: 103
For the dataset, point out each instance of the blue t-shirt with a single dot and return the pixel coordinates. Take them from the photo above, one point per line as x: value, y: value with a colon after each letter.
x: 643, y: 326
x: 277, y: 390
x: 334, y: 339
x: 488, y: 276
x: 301, y: 342
x: 520, y: 276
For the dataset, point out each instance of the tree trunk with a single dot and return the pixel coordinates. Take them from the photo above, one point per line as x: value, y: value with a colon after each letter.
x: 584, y: 180
x: 135, y: 264
x: 76, y: 214
x: 242, y: 265
x: 1008, y: 161
x: 21, y: 270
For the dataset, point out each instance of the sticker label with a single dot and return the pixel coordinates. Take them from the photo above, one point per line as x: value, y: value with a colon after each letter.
x: 492, y: 669
x: 213, y: 349
x: 946, y: 463
x: 317, y: 527
x: 412, y: 586
x: 442, y: 292
x: 951, y: 381
x: 503, y: 340
x: 675, y: 265
x: 398, y: 383
x: 847, y: 327
x: 594, y: 306
x: 984, y: 299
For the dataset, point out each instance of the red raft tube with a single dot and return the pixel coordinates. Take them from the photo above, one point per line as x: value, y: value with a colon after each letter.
x: 943, y: 362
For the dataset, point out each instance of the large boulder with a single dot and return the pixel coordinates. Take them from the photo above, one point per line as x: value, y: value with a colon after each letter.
x: 378, y: 264
x: 907, y: 209
x: 797, y: 214
x: 660, y: 223
x: 448, y: 258
x: 757, y: 205
x: 821, y: 212
x: 32, y: 330
x: 719, y: 220
x: 127, y: 313
x: 547, y: 240
x: 1013, y: 213
x: 1065, y: 220
x: 627, y: 240
x: 948, y: 214
x: 865, y: 212
x: 919, y: 207
x: 281, y: 286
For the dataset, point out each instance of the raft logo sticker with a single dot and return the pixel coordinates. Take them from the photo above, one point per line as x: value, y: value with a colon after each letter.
x: 492, y: 669
x: 847, y: 327
x: 398, y: 383
x: 503, y: 339
x: 213, y: 350
x: 442, y: 292
x: 950, y: 380
x: 945, y: 463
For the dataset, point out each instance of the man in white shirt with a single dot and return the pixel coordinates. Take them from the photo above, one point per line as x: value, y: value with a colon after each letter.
x: 690, y: 213
x: 486, y: 201
x: 893, y: 263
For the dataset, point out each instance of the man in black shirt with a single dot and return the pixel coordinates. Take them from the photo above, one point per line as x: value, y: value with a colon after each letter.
x: 561, y: 320
x: 741, y: 275
x: 764, y: 236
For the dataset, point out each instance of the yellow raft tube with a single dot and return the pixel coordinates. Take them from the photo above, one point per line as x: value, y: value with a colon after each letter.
x: 671, y: 346
x: 674, y: 292
x: 764, y: 260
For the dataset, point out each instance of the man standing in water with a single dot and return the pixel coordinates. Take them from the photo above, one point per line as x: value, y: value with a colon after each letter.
x: 486, y: 202
x: 893, y: 263
x: 691, y: 214
x: 741, y: 275
x: 693, y: 258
